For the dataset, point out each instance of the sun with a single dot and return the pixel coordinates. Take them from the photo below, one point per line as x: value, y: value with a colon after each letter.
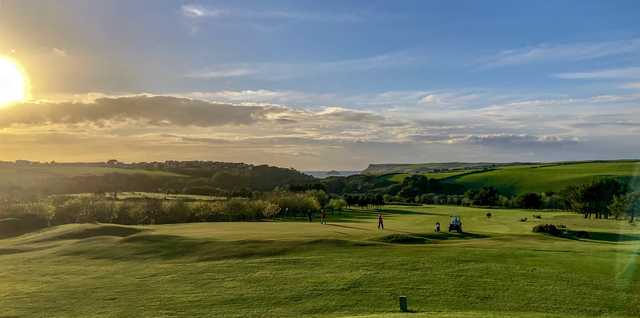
x: 13, y: 82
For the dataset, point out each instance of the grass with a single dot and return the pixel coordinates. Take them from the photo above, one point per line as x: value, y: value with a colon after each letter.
x: 399, y: 177
x: 519, y: 179
x: 497, y: 268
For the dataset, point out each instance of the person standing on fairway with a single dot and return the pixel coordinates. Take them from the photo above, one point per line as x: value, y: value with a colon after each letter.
x: 380, y: 222
x: 323, y: 217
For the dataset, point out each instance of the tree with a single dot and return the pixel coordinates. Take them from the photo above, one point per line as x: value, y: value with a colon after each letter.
x: 594, y: 199
x: 626, y: 205
x: 485, y: 196
x: 337, y: 204
x: 530, y: 200
x: 320, y: 195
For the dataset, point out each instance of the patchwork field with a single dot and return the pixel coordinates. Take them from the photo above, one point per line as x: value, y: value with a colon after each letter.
x: 347, y: 268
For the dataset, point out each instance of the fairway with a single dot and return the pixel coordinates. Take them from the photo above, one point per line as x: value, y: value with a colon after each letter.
x: 347, y: 268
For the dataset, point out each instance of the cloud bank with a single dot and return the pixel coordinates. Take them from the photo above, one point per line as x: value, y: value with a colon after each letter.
x: 471, y: 126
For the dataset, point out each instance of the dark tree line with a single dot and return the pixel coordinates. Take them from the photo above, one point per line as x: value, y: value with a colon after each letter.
x: 364, y: 200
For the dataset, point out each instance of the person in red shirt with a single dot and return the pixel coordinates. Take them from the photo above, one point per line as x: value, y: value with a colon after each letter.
x: 380, y: 222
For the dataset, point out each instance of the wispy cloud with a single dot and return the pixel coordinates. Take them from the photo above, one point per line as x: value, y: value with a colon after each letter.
x: 562, y: 52
x: 281, y: 71
x: 634, y: 85
x: 195, y: 11
x: 612, y: 73
x: 199, y: 125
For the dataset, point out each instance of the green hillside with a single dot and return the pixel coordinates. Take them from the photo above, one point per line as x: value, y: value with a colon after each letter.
x: 554, y: 177
x: 419, y: 168
x: 399, y: 177
x: 347, y: 268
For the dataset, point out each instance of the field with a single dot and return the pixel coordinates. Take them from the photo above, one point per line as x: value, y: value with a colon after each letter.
x: 497, y: 268
x: 399, y: 177
x: 517, y: 179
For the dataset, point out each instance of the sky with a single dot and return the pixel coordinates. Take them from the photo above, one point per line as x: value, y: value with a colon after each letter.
x: 318, y: 85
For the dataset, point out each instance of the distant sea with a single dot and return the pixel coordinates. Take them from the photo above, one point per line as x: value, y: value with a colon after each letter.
x: 324, y: 174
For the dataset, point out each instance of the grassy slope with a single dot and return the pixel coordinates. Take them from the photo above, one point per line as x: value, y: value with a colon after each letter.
x: 27, y: 175
x: 399, y: 177
x: 518, y: 179
x: 293, y: 269
x: 534, y: 178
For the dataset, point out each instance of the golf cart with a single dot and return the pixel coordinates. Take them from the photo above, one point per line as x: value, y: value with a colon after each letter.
x: 455, y: 224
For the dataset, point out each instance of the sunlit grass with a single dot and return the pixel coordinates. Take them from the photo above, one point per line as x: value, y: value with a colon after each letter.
x: 295, y: 269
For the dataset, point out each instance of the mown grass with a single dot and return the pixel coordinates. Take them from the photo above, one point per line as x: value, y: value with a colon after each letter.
x: 498, y: 268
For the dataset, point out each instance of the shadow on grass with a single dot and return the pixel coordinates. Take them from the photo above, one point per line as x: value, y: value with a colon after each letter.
x: 101, y: 230
x: 424, y: 238
x: 601, y: 237
x: 613, y: 237
x: 170, y: 247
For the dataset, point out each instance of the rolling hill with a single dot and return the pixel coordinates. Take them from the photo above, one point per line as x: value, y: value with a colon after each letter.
x: 514, y: 178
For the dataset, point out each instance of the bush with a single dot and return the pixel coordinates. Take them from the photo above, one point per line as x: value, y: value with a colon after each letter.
x: 488, y: 215
x: 547, y: 228
x: 537, y: 216
x: 523, y: 220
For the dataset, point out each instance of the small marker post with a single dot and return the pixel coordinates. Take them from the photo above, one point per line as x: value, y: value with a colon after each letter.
x: 403, y: 304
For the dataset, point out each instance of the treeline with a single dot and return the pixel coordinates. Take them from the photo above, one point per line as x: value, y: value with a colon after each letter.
x: 58, y: 210
x: 191, y: 177
x: 602, y: 198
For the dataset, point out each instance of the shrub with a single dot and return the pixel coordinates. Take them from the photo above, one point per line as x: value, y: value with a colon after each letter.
x: 523, y: 220
x: 489, y: 215
x: 547, y: 228
x: 537, y: 216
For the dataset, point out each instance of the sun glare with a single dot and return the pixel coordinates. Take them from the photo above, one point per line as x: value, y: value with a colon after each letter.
x: 13, y: 82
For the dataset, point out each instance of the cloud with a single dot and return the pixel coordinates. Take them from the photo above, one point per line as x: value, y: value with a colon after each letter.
x: 59, y: 52
x: 165, y: 111
x: 635, y: 85
x: 194, y: 11
x: 152, y: 110
x: 201, y: 12
x: 282, y: 71
x: 239, y: 128
x: 517, y: 140
x: 612, y: 73
x: 562, y: 52
x: 339, y: 113
x: 223, y: 73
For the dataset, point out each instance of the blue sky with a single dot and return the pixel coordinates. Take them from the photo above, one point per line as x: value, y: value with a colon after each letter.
x: 335, y: 84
